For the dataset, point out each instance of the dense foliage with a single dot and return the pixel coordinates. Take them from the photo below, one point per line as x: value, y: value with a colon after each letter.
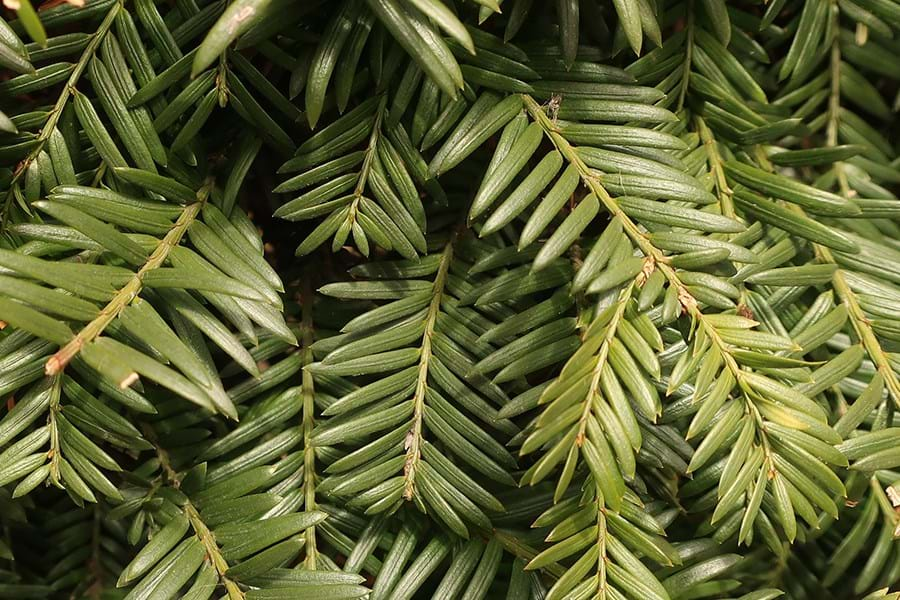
x: 451, y: 299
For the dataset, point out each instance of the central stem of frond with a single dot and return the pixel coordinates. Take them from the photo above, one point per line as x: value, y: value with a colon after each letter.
x: 413, y: 443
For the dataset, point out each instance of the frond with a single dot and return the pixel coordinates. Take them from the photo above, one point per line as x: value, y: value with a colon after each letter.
x: 343, y: 181
x: 406, y: 430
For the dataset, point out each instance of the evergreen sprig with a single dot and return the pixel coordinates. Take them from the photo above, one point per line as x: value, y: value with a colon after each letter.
x: 452, y: 299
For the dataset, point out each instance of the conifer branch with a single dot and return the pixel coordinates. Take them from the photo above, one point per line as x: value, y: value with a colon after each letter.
x: 131, y: 290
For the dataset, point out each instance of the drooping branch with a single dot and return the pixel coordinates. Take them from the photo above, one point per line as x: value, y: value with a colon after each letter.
x: 57, y: 110
x: 173, y: 478
x: 660, y: 261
